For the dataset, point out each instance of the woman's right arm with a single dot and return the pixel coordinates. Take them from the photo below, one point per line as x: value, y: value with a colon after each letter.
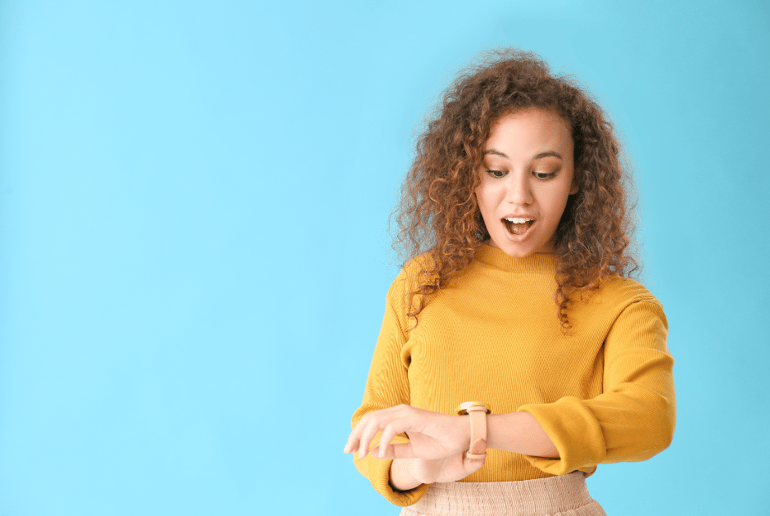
x: 387, y: 385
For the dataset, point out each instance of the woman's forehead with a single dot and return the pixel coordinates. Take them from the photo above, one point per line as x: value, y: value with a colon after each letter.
x: 531, y: 132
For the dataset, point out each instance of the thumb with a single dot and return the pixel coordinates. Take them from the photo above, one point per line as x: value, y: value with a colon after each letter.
x: 472, y: 465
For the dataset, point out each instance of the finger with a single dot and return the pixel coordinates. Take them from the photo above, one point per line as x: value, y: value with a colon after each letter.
x: 349, y: 443
x: 395, y: 451
x: 368, y: 434
x: 388, y: 433
x: 355, y: 435
x: 354, y: 438
x: 389, y: 421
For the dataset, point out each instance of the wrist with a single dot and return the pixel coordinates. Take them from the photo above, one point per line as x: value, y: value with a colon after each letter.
x: 402, y: 475
x: 465, y: 431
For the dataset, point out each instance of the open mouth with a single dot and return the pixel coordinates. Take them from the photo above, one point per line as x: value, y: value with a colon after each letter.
x: 517, y: 226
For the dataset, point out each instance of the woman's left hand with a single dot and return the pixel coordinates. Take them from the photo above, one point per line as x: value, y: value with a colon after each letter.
x: 431, y: 435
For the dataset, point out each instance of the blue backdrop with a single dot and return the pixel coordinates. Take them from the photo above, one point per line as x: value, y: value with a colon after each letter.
x: 194, y: 253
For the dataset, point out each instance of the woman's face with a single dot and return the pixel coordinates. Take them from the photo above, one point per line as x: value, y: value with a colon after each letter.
x: 526, y: 179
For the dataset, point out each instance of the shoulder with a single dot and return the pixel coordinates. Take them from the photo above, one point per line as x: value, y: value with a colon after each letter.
x: 415, y: 272
x: 635, y: 317
x: 618, y: 298
x: 621, y: 292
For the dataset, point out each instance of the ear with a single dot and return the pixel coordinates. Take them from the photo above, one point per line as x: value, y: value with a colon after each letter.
x: 574, y: 187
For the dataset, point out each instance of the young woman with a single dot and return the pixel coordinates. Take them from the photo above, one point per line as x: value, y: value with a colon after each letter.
x: 519, y: 302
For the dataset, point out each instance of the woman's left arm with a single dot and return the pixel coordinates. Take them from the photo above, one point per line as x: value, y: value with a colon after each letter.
x: 634, y: 418
x: 519, y: 432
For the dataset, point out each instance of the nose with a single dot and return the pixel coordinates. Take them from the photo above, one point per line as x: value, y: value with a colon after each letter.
x: 519, y: 189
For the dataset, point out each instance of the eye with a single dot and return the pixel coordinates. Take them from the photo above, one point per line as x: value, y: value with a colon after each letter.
x: 543, y: 175
x: 497, y: 174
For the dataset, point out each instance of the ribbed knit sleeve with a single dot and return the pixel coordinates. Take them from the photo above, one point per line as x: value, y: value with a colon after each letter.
x: 387, y: 385
x: 633, y: 419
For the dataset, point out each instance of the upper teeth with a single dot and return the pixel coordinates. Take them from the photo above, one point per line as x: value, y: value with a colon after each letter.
x: 517, y: 220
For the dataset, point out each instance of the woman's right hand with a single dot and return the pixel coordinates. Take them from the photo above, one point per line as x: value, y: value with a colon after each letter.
x: 435, y: 451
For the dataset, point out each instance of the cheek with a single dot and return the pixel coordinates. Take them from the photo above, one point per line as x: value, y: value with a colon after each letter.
x: 558, y: 201
x: 484, y: 196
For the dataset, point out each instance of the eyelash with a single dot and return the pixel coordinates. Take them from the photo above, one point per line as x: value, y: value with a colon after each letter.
x: 543, y: 176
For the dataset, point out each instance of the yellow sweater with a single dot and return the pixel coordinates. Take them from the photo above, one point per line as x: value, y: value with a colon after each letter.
x: 603, y: 394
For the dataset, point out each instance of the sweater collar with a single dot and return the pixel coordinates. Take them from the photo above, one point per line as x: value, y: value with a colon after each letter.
x: 537, y: 262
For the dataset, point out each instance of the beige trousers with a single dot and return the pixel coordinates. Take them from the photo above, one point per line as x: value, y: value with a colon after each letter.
x: 565, y: 495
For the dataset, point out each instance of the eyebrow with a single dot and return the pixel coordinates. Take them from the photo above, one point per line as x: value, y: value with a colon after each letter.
x: 545, y: 154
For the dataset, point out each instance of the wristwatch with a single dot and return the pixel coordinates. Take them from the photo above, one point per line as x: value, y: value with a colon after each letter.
x: 477, y: 412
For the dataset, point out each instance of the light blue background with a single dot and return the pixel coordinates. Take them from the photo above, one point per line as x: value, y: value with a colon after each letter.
x: 194, y: 252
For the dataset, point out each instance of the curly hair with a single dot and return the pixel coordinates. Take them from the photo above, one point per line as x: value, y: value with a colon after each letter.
x: 438, y: 212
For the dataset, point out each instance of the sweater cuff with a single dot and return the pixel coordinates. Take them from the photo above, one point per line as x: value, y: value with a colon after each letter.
x: 378, y: 473
x: 381, y: 482
x: 575, y: 432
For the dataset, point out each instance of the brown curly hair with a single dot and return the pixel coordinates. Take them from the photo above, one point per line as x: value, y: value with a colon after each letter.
x: 438, y: 213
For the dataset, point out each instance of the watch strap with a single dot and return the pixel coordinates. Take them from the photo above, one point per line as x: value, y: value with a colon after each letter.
x: 477, y: 412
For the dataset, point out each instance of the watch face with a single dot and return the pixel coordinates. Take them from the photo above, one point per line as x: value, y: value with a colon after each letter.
x: 463, y: 408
